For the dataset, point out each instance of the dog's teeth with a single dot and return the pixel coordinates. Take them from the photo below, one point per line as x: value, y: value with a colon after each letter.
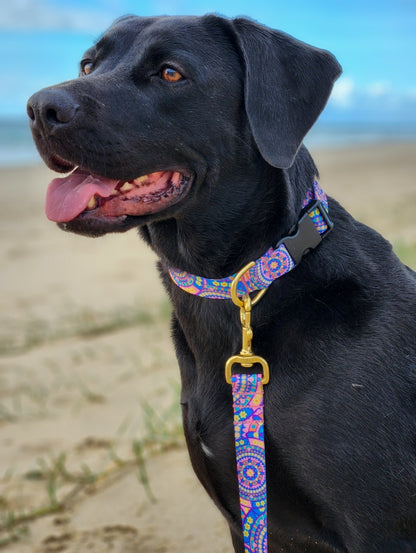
x: 92, y: 203
x: 114, y: 192
x: 127, y: 186
x: 140, y: 180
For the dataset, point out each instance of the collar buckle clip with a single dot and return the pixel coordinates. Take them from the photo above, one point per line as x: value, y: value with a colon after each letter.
x: 307, y: 234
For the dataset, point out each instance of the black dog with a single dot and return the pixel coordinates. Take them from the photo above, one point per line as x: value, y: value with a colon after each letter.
x: 191, y: 129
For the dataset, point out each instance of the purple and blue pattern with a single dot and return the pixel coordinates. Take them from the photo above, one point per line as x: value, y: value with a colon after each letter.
x: 251, y: 461
x: 271, y: 265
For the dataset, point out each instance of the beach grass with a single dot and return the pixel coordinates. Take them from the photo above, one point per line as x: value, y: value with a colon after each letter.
x: 63, y: 486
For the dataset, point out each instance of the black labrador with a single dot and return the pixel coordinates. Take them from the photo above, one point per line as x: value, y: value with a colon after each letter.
x: 191, y: 129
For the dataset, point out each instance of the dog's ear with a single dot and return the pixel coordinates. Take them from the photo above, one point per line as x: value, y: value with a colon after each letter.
x: 287, y: 84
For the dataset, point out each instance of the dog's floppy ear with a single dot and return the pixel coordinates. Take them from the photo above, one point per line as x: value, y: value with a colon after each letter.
x: 287, y: 84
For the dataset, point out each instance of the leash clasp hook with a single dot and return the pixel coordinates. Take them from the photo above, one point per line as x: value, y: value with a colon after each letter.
x: 246, y: 358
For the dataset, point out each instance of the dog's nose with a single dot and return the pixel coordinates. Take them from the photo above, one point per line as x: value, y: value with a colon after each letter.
x: 50, y: 108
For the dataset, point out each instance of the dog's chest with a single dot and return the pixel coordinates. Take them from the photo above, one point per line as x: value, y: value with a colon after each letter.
x: 208, y: 427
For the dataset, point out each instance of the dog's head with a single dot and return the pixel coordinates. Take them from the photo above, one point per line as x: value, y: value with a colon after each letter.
x: 163, y: 106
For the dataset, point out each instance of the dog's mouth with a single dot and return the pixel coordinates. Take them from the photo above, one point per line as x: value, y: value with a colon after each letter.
x: 83, y: 194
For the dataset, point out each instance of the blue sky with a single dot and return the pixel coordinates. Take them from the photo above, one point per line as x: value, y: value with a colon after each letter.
x: 41, y: 42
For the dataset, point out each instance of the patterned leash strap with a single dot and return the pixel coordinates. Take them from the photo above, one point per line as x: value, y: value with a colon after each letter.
x: 247, y: 382
x: 251, y: 461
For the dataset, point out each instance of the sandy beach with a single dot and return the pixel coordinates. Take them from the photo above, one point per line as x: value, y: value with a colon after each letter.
x: 92, y: 457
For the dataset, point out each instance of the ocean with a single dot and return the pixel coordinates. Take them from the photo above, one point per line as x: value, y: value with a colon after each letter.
x: 16, y: 144
x: 17, y: 148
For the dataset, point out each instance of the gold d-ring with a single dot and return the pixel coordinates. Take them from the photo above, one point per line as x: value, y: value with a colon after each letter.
x: 247, y: 361
x: 234, y: 295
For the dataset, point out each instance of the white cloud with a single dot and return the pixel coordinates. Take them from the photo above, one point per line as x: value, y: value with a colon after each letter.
x: 379, y: 89
x: 374, y: 101
x: 342, y: 94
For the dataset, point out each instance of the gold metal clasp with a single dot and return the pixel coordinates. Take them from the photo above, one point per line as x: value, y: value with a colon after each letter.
x: 234, y: 295
x: 246, y: 358
x: 247, y: 361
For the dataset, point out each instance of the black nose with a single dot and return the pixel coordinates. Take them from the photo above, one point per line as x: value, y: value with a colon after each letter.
x: 50, y: 108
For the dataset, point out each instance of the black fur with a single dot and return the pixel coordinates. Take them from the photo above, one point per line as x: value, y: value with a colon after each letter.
x: 339, y: 331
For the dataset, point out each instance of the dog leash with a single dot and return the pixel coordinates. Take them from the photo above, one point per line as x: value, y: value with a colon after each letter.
x: 248, y: 384
x: 248, y: 406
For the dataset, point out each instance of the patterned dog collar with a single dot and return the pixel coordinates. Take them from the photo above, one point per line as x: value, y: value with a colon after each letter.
x: 313, y: 225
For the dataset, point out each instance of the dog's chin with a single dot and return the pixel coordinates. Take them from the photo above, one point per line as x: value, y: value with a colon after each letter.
x: 94, y: 226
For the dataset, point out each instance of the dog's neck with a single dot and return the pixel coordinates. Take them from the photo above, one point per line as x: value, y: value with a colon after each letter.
x: 249, y: 215
x: 313, y: 225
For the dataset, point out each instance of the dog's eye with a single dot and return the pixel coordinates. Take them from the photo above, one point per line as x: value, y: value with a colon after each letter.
x: 171, y: 75
x: 86, y: 67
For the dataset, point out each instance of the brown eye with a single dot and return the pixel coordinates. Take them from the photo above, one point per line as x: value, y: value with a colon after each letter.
x: 171, y: 75
x: 86, y: 68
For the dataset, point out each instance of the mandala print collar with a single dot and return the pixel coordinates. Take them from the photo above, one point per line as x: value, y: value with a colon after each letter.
x: 313, y: 225
x: 247, y: 384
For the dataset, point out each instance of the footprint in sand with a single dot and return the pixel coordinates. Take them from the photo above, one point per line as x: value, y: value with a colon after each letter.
x: 114, y: 539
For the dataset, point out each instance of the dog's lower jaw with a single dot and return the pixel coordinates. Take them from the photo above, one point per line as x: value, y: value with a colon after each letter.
x: 97, y: 227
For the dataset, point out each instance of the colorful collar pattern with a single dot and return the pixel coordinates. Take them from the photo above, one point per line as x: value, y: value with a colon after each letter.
x: 275, y: 263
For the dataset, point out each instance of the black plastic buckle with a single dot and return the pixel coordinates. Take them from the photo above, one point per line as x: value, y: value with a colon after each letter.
x: 306, y: 236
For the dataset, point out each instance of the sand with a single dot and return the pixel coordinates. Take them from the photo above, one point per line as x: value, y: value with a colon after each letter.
x: 87, y: 370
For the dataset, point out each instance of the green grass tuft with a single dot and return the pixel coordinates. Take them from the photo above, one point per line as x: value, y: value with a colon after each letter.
x: 64, y: 486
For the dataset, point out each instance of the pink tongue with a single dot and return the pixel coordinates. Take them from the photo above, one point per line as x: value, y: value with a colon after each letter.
x: 67, y: 197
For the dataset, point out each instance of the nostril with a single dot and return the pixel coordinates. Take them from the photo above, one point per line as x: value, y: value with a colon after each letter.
x: 52, y: 116
x: 60, y: 113
x: 31, y: 113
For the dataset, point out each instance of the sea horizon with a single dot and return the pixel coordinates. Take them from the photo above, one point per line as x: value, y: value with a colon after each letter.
x: 17, y: 147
